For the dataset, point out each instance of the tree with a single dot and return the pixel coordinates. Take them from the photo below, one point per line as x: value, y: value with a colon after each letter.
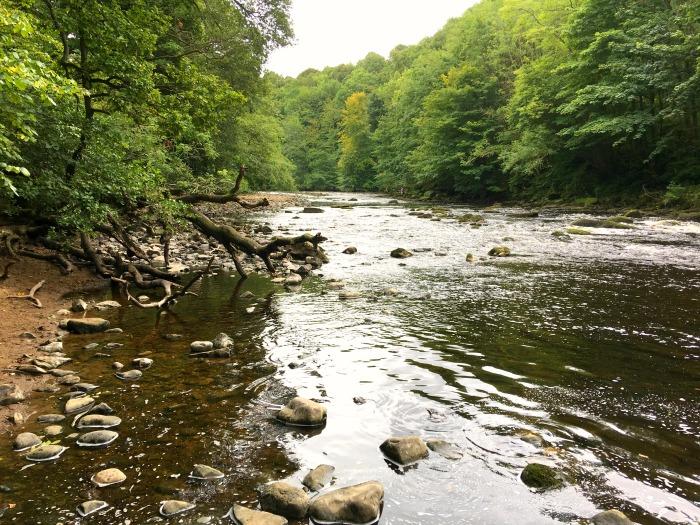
x: 356, y: 164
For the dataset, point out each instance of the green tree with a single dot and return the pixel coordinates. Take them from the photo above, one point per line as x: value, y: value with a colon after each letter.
x: 356, y: 164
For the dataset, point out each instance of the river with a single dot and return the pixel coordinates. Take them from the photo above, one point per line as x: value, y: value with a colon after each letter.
x: 591, y: 342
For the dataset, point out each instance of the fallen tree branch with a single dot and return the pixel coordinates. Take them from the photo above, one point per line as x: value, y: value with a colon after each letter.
x: 59, y: 260
x: 30, y: 296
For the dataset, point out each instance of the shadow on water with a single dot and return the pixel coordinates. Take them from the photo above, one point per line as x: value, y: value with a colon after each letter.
x: 580, y: 354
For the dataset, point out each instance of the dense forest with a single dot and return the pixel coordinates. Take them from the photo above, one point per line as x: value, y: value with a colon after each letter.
x: 519, y: 99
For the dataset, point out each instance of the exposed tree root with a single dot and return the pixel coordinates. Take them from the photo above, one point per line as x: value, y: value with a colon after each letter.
x: 30, y: 297
x: 6, y: 271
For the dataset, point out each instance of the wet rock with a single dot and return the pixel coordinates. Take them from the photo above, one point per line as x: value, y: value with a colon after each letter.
x: 336, y: 285
x: 356, y: 504
x: 247, y: 295
x: 173, y: 507
x: 142, y: 362
x: 113, y: 346
x: 634, y: 214
x: 173, y: 337
x: 91, y: 346
x: 53, y: 430
x: 539, y: 476
x: 114, y: 331
x: 117, y: 365
x: 499, y: 251
x: 51, y: 418
x: 97, y: 438
x: 78, y: 404
x: 49, y: 388
x: 222, y: 341
x: 470, y: 258
x: 10, y: 394
x: 79, y: 306
x: 106, y: 305
x: 25, y: 440
x: 601, y: 223
x: 319, y: 477
x: 206, y: 473
x: 404, y: 450
x: 311, y: 210
x: 400, y: 253
x: 45, y: 453
x: 303, y: 412
x: 245, y: 516
x: 284, y: 499
x: 49, y: 348
x: 359, y: 400
x: 445, y: 449
x: 349, y: 294
x: 98, y: 421
x: 102, y: 408
x: 350, y: 250
x: 62, y: 373
x: 31, y: 369
x: 16, y: 418
x: 201, y: 346
x: 577, y: 231
x: 293, y: 278
x: 531, y: 437
x: 88, y: 325
x: 130, y: 375
x: 70, y: 379
x: 106, y: 477
x: 611, y: 517
x: 50, y: 362
x: 91, y: 507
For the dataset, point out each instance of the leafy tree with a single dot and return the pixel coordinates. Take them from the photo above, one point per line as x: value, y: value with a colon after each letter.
x: 356, y: 163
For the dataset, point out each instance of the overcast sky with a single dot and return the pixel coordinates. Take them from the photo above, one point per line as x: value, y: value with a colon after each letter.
x: 332, y: 32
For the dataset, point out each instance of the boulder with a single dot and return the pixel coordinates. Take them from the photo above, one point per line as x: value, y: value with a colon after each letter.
x: 303, y: 412
x: 445, y: 449
x: 88, y: 325
x: 79, y: 306
x: 400, y: 253
x: 356, y: 504
x: 404, y: 450
x: 25, y: 440
x: 201, y: 346
x: 110, y: 476
x: 539, y: 476
x: 245, y: 516
x: 319, y: 477
x: 349, y: 294
x: 284, y: 499
x: 222, y: 341
x: 499, y: 251
x: 350, y: 250
x: 611, y: 517
x: 10, y: 394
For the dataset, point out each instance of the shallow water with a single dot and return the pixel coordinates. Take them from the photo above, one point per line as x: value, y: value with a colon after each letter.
x: 592, y: 343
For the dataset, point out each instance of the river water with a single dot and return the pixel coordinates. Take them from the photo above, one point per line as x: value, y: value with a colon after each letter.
x: 592, y: 343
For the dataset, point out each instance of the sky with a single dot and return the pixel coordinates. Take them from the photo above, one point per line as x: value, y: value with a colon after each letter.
x: 332, y: 32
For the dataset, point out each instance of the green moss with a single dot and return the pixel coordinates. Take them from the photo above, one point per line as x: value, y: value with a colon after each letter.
x: 578, y: 231
x: 472, y: 218
x: 621, y: 219
x: 601, y: 223
x: 540, y: 476
x: 559, y: 234
x: 634, y: 214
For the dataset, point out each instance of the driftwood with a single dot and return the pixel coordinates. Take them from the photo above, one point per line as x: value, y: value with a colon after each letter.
x: 30, y: 296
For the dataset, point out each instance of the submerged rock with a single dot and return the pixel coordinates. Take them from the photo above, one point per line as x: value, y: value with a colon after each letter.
x: 88, y: 325
x: 50, y: 418
x: 205, y: 472
x: 46, y: 453
x: 130, y: 375
x: 356, y: 504
x: 404, y: 450
x: 222, y: 341
x: 400, y: 253
x: 97, y: 438
x: 311, y: 210
x: 90, y: 507
x: 173, y: 507
x: 106, y: 477
x: 319, y: 477
x: 445, y: 449
x: 83, y: 387
x: 245, y: 516
x: 98, y: 421
x: 303, y: 412
x: 611, y: 517
x: 78, y: 404
x: 142, y: 362
x: 539, y: 476
x: 284, y: 499
x: 53, y: 430
x: 499, y: 251
x: 24, y: 441
x: 69, y: 379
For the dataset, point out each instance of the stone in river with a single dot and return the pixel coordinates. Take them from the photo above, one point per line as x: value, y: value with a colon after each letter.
x: 83, y: 387
x: 201, y: 346
x: 539, y: 476
x: 53, y: 430
x: 49, y: 348
x: 350, y: 250
x: 105, y: 305
x: 499, y: 251
x: 50, y: 418
x: 45, y: 453
x: 130, y: 375
x: 356, y: 504
x: 117, y: 365
x: 98, y: 421
x: 611, y: 517
x: 59, y: 372
x: 319, y: 477
x: 50, y: 362
x: 142, y: 362
x: 91, y: 346
x: 78, y: 404
x: 293, y: 279
x: 172, y: 507
x: 311, y: 210
x: 25, y: 440
x: 114, y: 331
x: 205, y: 472
x: 284, y: 499
x: 102, y: 408
x: 31, y: 369
x: 110, y: 476
x: 70, y: 379
x: 349, y: 294
x: 11, y: 394
x: 303, y: 412
x: 445, y: 449
x: 88, y: 325
x: 404, y: 450
x: 245, y: 516
x: 97, y: 438
x: 222, y: 341
x: 172, y: 337
x: 79, y: 306
x: 90, y: 507
x: 400, y: 253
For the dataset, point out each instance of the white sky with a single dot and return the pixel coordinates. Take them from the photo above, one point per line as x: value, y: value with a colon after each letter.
x: 332, y: 32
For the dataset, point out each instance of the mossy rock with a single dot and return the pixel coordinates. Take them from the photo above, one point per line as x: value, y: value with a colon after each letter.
x: 539, y: 476
x: 634, y: 214
x: 601, y: 223
x: 559, y: 234
x: 472, y: 218
x: 578, y: 231
x: 499, y: 251
x: 586, y: 201
x: 621, y: 219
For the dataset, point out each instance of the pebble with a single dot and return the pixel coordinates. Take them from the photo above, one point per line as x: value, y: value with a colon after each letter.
x: 24, y: 441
